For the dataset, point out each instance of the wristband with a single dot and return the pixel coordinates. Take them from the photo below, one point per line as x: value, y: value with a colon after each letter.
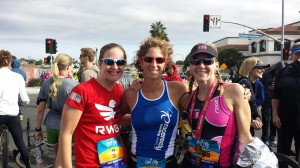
x: 38, y: 129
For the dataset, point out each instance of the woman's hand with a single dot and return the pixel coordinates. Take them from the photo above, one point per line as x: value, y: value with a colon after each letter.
x: 256, y: 124
x: 136, y: 84
x: 39, y: 135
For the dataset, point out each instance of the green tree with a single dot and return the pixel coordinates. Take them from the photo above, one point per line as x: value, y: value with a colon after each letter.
x: 230, y: 56
x: 158, y: 30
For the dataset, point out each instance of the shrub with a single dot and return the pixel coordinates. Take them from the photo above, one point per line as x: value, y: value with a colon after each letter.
x: 34, y: 82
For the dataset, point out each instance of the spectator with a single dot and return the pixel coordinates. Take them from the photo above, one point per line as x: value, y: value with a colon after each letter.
x: 53, y: 94
x: 287, y: 116
x: 11, y: 86
x: 15, y: 67
x: 252, y: 69
x: 172, y: 73
x: 268, y: 129
x: 87, y: 69
x: 43, y: 76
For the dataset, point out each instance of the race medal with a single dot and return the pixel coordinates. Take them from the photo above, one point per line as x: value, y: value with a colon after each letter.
x: 198, y: 154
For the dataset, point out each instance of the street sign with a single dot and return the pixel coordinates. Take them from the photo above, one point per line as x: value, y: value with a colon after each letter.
x: 243, y: 35
x: 223, y: 66
x: 214, y: 21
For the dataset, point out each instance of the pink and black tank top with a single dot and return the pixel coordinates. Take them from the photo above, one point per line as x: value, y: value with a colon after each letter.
x: 219, y: 126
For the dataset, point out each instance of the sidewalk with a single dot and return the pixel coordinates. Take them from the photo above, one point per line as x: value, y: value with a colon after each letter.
x: 33, y: 90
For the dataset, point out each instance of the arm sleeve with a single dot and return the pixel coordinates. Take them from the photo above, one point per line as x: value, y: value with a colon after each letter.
x: 260, y: 94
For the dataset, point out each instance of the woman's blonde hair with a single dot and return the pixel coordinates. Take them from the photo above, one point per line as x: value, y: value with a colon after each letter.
x: 60, y: 63
x: 247, y: 65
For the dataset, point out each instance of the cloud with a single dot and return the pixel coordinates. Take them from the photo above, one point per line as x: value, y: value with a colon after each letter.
x: 74, y: 24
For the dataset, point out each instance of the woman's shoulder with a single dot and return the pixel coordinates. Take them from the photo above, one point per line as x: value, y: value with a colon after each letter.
x: 233, y: 89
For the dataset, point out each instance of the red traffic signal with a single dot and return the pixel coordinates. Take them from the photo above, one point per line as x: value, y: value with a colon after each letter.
x: 285, y: 54
x: 51, y: 46
x: 206, y: 23
x: 48, y: 45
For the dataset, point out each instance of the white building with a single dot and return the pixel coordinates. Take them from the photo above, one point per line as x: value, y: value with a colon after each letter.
x: 267, y: 49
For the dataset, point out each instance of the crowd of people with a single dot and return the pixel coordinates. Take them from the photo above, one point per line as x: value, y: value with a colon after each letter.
x: 112, y: 119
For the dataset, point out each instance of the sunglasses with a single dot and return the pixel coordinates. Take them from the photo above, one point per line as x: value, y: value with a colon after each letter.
x: 205, y: 61
x: 110, y: 61
x: 258, y: 67
x: 158, y: 60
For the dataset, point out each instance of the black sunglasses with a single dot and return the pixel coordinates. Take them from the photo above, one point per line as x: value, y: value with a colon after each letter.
x: 205, y: 61
x: 258, y: 67
x: 110, y: 61
x: 158, y: 60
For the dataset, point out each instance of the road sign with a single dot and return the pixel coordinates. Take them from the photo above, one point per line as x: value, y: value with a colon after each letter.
x: 223, y: 66
x: 215, y: 21
x: 243, y: 35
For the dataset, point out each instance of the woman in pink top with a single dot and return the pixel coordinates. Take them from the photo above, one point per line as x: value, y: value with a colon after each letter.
x: 226, y: 114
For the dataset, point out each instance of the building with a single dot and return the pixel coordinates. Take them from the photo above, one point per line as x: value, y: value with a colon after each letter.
x: 266, y: 48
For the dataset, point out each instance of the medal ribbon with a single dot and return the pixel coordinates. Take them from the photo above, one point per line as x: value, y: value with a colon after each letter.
x: 209, y: 96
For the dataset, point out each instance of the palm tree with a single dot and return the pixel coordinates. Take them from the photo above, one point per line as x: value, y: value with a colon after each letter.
x: 158, y: 30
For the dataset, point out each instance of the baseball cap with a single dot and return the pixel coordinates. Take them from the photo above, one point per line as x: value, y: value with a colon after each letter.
x: 295, y: 48
x: 260, y: 64
x: 203, y: 48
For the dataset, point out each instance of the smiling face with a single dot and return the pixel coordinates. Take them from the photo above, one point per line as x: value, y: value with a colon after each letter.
x: 153, y: 63
x: 112, y: 72
x: 256, y: 73
x: 203, y: 67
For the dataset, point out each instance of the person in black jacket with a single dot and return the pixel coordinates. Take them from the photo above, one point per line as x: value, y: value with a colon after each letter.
x: 268, y: 80
x: 288, y: 115
x: 252, y: 69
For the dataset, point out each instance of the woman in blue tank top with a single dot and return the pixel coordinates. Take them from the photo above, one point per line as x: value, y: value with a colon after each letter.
x: 154, y: 108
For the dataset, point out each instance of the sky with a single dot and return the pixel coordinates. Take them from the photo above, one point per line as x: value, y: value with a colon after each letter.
x: 25, y: 24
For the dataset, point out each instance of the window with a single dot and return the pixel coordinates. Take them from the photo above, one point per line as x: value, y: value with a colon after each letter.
x: 253, y: 47
x: 262, y: 46
x: 277, y: 46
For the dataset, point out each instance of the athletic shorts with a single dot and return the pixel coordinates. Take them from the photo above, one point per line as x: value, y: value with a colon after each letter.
x: 52, y: 136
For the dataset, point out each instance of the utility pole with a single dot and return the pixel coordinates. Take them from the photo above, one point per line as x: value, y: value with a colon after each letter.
x: 282, y: 29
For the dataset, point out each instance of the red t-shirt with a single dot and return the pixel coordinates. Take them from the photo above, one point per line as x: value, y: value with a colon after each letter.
x: 100, y: 119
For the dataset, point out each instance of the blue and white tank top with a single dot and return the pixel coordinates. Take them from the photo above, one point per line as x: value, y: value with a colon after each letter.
x: 154, y: 125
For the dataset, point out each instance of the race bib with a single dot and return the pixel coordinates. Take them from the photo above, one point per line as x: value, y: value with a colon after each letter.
x: 204, y: 152
x: 145, y: 162
x: 111, y: 153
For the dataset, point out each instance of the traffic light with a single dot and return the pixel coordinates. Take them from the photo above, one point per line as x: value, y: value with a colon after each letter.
x: 53, y: 47
x: 48, y: 45
x: 206, y: 23
x: 285, y: 54
x: 45, y: 61
x: 48, y: 59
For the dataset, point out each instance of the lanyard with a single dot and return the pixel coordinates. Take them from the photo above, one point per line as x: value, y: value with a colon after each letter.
x: 209, y: 96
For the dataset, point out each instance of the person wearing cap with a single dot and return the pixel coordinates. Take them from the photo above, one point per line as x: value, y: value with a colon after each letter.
x: 286, y: 117
x: 268, y: 80
x: 252, y: 69
x: 217, y: 114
